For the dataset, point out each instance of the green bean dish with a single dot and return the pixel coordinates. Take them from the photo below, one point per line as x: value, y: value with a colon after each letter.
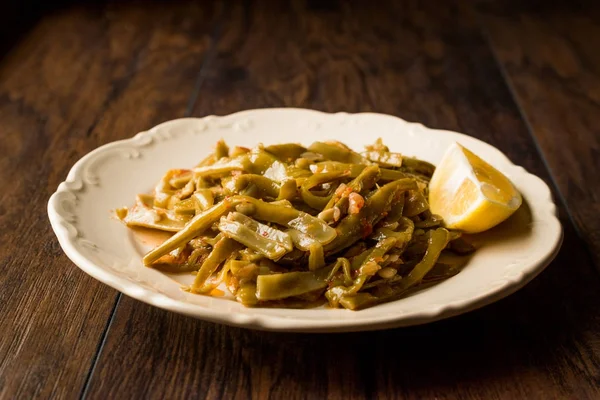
x: 289, y: 226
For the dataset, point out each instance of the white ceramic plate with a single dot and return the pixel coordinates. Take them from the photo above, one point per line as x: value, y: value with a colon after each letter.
x: 110, y: 176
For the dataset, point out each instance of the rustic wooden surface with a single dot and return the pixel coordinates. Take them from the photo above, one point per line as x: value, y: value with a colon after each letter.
x: 86, y: 75
x: 551, y: 60
x: 81, y: 78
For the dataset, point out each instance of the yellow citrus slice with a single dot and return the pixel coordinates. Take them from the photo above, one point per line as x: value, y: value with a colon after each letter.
x: 470, y: 194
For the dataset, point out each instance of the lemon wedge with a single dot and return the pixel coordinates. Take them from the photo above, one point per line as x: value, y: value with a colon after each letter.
x: 469, y: 194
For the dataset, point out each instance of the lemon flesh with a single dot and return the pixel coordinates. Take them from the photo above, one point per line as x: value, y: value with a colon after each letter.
x: 469, y: 194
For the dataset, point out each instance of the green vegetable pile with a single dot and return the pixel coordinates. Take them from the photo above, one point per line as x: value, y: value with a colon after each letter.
x: 289, y: 226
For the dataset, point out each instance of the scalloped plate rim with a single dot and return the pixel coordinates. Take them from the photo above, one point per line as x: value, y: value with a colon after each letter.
x: 275, y: 323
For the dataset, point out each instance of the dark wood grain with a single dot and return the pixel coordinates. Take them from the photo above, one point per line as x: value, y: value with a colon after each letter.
x: 426, y: 63
x: 550, y: 54
x: 81, y: 78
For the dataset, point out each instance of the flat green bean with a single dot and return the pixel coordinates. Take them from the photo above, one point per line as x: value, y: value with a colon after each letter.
x: 289, y: 284
x: 221, y: 150
x: 270, y: 242
x: 337, y: 151
x: 287, y: 152
x: 221, y: 251
x: 314, y: 201
x: 224, y: 166
x: 436, y: 243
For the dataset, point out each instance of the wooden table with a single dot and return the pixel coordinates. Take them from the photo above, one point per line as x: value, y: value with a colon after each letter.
x: 524, y: 77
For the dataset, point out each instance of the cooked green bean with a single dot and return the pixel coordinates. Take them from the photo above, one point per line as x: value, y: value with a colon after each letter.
x: 437, y: 242
x: 301, y: 240
x: 287, y: 152
x: 343, y: 263
x: 143, y: 216
x: 287, y: 190
x: 246, y: 293
x: 358, y: 301
x: 314, y: 201
x: 316, y: 257
x: 337, y: 293
x: 415, y: 204
x: 461, y: 246
x: 203, y: 200
x: 337, y: 151
x: 185, y: 261
x: 403, y: 233
x: 355, y: 169
x: 224, y: 166
x: 221, y: 149
x: 419, y: 166
x: 267, y: 188
x: 329, y: 166
x: 270, y: 242
x: 221, y: 251
x: 163, y: 190
x: 263, y: 230
x: 220, y: 277
x: 284, y: 225
x: 181, y: 179
x: 395, y: 213
x: 186, y: 206
x: 289, y: 284
x: 375, y: 254
x: 441, y: 271
x: 238, y: 151
x: 262, y: 161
